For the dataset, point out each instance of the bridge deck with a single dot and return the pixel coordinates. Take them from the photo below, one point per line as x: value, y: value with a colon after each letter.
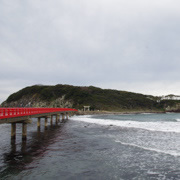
x: 24, y: 115
x: 9, y: 115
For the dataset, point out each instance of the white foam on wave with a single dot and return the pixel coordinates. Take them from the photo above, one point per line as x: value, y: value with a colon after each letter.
x: 147, y: 113
x: 169, y: 152
x: 151, y: 126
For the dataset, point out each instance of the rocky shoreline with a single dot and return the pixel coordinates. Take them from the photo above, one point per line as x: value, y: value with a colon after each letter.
x: 111, y: 112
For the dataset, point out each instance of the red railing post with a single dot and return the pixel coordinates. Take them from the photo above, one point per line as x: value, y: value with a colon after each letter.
x: 15, y: 112
x: 4, y: 112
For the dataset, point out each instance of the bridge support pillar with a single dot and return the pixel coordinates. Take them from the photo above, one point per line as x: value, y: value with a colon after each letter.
x: 66, y: 115
x: 46, y: 121
x: 57, y: 119
x: 13, y: 131
x: 51, y: 121
x: 39, y: 123
x: 63, y: 117
x: 24, y: 131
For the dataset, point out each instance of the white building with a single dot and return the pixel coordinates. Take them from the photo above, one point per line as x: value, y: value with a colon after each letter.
x: 170, y: 97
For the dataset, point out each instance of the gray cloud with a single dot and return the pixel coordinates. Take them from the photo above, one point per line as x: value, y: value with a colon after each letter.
x: 120, y: 44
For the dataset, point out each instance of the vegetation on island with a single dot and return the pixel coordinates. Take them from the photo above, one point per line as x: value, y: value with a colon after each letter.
x: 78, y: 97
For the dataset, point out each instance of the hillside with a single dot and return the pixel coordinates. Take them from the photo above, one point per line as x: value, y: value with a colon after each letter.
x: 77, y: 97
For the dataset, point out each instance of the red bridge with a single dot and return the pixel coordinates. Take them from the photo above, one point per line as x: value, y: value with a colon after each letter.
x: 19, y: 112
x: 24, y: 115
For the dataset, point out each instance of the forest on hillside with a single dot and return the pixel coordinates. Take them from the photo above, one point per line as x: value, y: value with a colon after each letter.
x: 79, y: 96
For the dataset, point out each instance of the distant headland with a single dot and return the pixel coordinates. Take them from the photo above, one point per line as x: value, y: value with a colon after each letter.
x: 96, y: 99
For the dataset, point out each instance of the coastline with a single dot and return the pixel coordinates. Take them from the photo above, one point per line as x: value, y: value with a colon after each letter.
x: 115, y: 112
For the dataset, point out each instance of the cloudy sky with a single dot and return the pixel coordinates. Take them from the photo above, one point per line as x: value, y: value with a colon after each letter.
x: 131, y: 45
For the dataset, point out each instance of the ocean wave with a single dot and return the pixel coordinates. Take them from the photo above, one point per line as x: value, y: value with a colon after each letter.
x: 169, y: 152
x: 147, y: 113
x: 151, y: 126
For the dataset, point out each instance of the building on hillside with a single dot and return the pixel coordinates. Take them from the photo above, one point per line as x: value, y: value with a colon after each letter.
x: 170, y: 97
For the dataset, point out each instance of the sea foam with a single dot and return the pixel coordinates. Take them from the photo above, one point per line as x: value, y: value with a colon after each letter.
x: 168, y: 152
x: 151, y: 126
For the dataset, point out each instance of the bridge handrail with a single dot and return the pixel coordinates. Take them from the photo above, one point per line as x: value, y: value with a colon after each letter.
x: 17, y: 112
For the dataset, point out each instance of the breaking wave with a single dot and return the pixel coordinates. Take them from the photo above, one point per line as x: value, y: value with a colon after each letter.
x: 164, y: 126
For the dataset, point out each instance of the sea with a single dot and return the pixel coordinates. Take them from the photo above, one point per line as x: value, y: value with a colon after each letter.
x: 95, y: 147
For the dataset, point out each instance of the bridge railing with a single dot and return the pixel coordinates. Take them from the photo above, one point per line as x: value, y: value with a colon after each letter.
x: 17, y: 112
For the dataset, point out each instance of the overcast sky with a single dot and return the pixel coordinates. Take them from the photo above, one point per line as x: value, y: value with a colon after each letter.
x: 131, y: 45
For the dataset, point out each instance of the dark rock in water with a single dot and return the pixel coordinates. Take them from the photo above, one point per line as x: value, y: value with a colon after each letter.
x: 110, y: 125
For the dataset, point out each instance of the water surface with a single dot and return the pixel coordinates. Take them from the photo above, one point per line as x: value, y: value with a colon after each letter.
x: 141, y: 146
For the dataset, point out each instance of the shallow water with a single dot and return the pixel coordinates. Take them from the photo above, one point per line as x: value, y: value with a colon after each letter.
x: 144, y: 146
